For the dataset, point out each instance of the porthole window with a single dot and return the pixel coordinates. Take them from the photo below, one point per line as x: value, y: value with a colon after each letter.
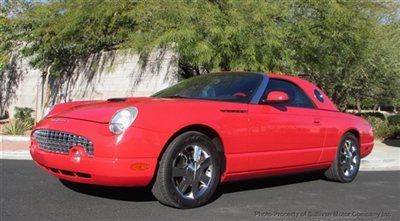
x: 319, y: 96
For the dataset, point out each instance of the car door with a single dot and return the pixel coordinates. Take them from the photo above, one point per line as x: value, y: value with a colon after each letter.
x: 284, y: 134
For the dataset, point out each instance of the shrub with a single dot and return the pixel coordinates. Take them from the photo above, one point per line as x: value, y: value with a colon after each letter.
x: 382, y: 129
x: 394, y: 120
x: 373, y: 114
x: 17, y: 127
x: 396, y: 133
x: 387, y: 131
x: 374, y: 121
x: 24, y: 114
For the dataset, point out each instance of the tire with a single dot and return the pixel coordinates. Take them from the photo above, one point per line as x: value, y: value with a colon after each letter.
x: 347, y: 161
x: 188, y: 176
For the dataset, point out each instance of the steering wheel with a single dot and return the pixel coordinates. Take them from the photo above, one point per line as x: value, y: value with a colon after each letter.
x: 239, y: 94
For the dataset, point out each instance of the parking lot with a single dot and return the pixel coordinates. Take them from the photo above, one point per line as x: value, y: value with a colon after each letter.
x: 27, y: 193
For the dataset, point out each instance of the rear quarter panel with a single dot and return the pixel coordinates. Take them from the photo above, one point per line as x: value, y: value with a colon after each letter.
x: 337, y: 125
x: 336, y: 122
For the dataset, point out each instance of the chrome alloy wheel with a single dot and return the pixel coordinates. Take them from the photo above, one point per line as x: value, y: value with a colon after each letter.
x: 349, y: 158
x: 192, y: 171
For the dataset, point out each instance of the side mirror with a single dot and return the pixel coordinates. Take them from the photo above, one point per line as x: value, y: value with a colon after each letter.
x: 277, y: 97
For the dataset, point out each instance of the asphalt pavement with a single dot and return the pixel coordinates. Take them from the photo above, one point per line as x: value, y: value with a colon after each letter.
x: 27, y: 193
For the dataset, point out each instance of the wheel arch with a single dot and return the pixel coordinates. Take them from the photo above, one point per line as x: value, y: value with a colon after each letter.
x: 355, y: 132
x: 206, y: 130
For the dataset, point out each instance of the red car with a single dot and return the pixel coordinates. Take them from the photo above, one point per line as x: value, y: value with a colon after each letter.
x: 187, y: 139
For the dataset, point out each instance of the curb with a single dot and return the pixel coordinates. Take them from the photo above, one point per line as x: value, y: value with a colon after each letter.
x: 14, y: 138
x: 15, y: 155
x: 384, y: 164
x: 381, y: 169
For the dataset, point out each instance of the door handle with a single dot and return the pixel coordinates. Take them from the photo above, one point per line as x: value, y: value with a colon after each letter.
x: 317, y: 121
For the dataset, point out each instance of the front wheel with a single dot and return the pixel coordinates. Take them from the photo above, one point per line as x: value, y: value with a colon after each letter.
x: 189, y: 171
x: 347, y: 162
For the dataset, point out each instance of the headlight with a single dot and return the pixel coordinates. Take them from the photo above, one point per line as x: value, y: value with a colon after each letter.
x: 122, y: 119
x: 47, y: 111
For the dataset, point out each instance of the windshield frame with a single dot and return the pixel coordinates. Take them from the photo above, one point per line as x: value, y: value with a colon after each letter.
x: 254, y: 99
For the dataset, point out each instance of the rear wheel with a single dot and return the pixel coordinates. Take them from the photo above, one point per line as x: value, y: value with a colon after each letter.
x: 189, y: 171
x: 347, y: 162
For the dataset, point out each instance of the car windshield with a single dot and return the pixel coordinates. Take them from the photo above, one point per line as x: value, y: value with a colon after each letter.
x: 233, y: 87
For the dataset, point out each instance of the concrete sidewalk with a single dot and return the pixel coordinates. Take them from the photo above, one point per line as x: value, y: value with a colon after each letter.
x: 14, y: 148
x: 383, y: 156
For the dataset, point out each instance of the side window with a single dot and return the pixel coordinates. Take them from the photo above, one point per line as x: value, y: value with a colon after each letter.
x: 297, y: 97
x: 319, y: 96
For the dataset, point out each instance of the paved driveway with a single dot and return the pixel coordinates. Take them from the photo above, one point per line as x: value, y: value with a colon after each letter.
x: 27, y: 193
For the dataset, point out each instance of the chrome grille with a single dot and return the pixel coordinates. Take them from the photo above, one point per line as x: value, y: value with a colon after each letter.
x: 61, y: 142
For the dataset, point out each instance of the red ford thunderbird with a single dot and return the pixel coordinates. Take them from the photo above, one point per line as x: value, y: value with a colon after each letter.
x: 185, y: 140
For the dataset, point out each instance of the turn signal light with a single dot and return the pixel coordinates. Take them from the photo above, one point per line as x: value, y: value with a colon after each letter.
x: 139, y: 166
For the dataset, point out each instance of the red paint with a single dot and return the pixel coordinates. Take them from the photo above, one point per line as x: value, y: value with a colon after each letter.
x: 277, y: 97
x: 258, y: 139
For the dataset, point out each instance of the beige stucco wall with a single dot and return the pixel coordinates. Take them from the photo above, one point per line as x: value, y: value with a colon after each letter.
x: 101, y: 76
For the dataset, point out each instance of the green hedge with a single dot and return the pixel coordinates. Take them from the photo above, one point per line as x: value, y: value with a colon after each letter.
x: 383, y: 129
x: 373, y: 114
x: 394, y: 120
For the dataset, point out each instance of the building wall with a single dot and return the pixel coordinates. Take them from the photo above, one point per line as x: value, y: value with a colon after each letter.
x: 101, y: 76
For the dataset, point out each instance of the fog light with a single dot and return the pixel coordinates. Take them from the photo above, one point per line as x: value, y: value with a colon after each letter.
x: 76, y: 155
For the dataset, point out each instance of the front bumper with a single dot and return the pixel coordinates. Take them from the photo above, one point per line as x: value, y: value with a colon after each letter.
x: 99, y: 171
x: 129, y: 159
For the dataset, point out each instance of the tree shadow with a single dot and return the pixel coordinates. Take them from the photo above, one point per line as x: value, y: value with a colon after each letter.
x: 9, y: 83
x: 80, y: 76
x: 392, y: 142
x: 152, y: 66
x: 143, y: 194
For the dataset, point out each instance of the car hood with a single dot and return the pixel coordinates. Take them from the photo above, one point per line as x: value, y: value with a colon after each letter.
x: 96, y: 111
x: 102, y: 111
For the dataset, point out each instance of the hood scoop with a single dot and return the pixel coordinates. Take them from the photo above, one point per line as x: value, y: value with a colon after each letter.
x: 117, y: 99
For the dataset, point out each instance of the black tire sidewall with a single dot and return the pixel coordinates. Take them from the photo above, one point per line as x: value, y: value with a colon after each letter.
x: 181, y: 142
x: 344, y: 178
